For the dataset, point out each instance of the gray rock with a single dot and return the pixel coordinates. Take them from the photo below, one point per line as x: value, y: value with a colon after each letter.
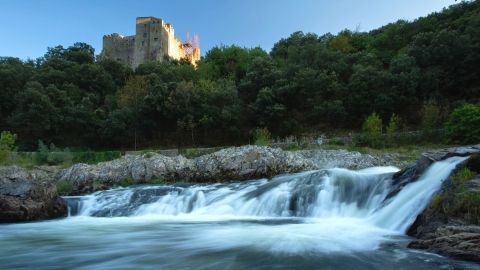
x: 28, y: 196
x: 460, y: 242
x: 235, y: 163
x: 435, y: 229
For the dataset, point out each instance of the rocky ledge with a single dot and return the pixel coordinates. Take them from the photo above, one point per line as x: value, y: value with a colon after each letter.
x: 28, y: 196
x: 236, y: 163
x: 450, y: 224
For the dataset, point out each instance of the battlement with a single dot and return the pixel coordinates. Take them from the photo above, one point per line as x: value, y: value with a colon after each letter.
x: 154, y: 40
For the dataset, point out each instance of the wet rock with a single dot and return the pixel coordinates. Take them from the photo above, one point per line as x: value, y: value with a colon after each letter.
x: 439, y: 230
x: 28, y: 196
x: 460, y: 242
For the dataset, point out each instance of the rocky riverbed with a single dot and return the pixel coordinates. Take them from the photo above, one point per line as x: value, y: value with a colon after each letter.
x: 27, y: 195
x: 230, y: 164
x: 450, y: 225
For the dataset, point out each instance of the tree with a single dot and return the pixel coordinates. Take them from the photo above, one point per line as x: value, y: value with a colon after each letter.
x: 131, y: 96
x: 372, y: 127
x: 392, y: 129
x: 431, y: 117
x: 7, y: 144
x: 463, y: 125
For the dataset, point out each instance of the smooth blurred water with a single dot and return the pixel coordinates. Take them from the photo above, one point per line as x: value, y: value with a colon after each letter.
x: 331, y: 219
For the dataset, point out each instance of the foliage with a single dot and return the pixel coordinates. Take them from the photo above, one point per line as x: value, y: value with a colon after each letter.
x: 51, y: 155
x: 7, y: 144
x: 392, y: 129
x: 430, y: 119
x: 91, y: 157
x: 465, y: 203
x: 64, y: 187
x: 306, y: 83
x: 372, y: 129
x: 463, y: 125
x: 262, y: 137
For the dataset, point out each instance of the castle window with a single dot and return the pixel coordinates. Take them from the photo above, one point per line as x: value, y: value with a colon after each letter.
x: 143, y: 42
x: 156, y: 39
x: 144, y: 34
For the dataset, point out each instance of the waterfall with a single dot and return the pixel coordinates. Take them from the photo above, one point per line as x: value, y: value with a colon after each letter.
x: 323, y: 195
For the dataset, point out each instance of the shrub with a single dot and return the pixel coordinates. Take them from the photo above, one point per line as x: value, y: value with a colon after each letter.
x: 52, y: 155
x: 91, y: 157
x: 64, y: 187
x: 392, y: 130
x: 463, y: 125
x: 262, y: 136
x: 336, y: 141
x: 372, y: 131
x: 431, y: 118
x: 465, y: 203
x: 7, y: 144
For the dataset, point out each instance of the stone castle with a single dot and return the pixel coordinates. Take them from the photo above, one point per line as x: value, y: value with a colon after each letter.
x: 154, y: 40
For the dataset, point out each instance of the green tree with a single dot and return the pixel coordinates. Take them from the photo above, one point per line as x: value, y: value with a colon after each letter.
x: 7, y: 144
x: 132, y: 96
x: 431, y: 118
x: 372, y: 127
x: 262, y: 137
x: 392, y: 129
x: 463, y: 125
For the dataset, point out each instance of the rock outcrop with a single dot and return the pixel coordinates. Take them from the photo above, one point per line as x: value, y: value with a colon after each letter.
x: 236, y: 163
x: 28, y: 196
x: 446, y: 226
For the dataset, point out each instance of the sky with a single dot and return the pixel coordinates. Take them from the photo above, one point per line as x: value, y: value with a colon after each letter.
x: 28, y: 27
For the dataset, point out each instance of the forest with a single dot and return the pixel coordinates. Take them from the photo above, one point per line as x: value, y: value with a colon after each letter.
x: 307, y: 84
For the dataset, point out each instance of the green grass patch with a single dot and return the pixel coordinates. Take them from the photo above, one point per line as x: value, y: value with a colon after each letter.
x: 64, y: 187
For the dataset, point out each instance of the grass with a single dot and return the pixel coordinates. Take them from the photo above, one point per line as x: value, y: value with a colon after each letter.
x: 57, y: 158
x: 64, y: 187
x: 458, y: 201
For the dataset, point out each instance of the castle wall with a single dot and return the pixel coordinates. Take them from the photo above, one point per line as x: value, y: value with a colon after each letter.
x: 154, y: 40
x: 119, y: 48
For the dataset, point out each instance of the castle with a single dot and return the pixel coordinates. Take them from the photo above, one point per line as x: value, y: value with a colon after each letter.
x: 154, y: 40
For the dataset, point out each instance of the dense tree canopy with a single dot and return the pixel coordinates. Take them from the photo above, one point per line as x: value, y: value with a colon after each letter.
x: 307, y: 83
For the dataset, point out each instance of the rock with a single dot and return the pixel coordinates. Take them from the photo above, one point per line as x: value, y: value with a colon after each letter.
x: 235, y: 163
x: 28, y: 196
x: 413, y: 172
x: 442, y: 231
x: 460, y: 242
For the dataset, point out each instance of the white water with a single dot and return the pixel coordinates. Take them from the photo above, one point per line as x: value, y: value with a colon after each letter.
x: 335, y: 209
x: 333, y: 193
x: 329, y: 219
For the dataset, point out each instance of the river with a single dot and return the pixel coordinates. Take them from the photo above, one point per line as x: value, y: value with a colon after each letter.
x: 328, y: 219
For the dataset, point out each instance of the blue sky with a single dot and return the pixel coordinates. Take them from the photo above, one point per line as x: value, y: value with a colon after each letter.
x: 28, y: 27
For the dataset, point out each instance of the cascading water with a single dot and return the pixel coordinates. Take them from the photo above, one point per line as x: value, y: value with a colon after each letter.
x: 333, y: 193
x: 328, y: 219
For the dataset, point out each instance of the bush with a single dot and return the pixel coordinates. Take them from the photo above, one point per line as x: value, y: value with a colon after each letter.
x: 431, y: 117
x: 7, y: 144
x: 463, y: 125
x: 465, y: 203
x: 52, y: 155
x: 262, y: 136
x: 392, y: 130
x: 64, y: 187
x: 372, y: 132
x: 91, y: 157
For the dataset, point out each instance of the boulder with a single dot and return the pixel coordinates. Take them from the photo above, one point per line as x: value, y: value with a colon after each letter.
x: 235, y: 163
x: 460, y: 242
x: 28, y: 196
x: 442, y: 231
